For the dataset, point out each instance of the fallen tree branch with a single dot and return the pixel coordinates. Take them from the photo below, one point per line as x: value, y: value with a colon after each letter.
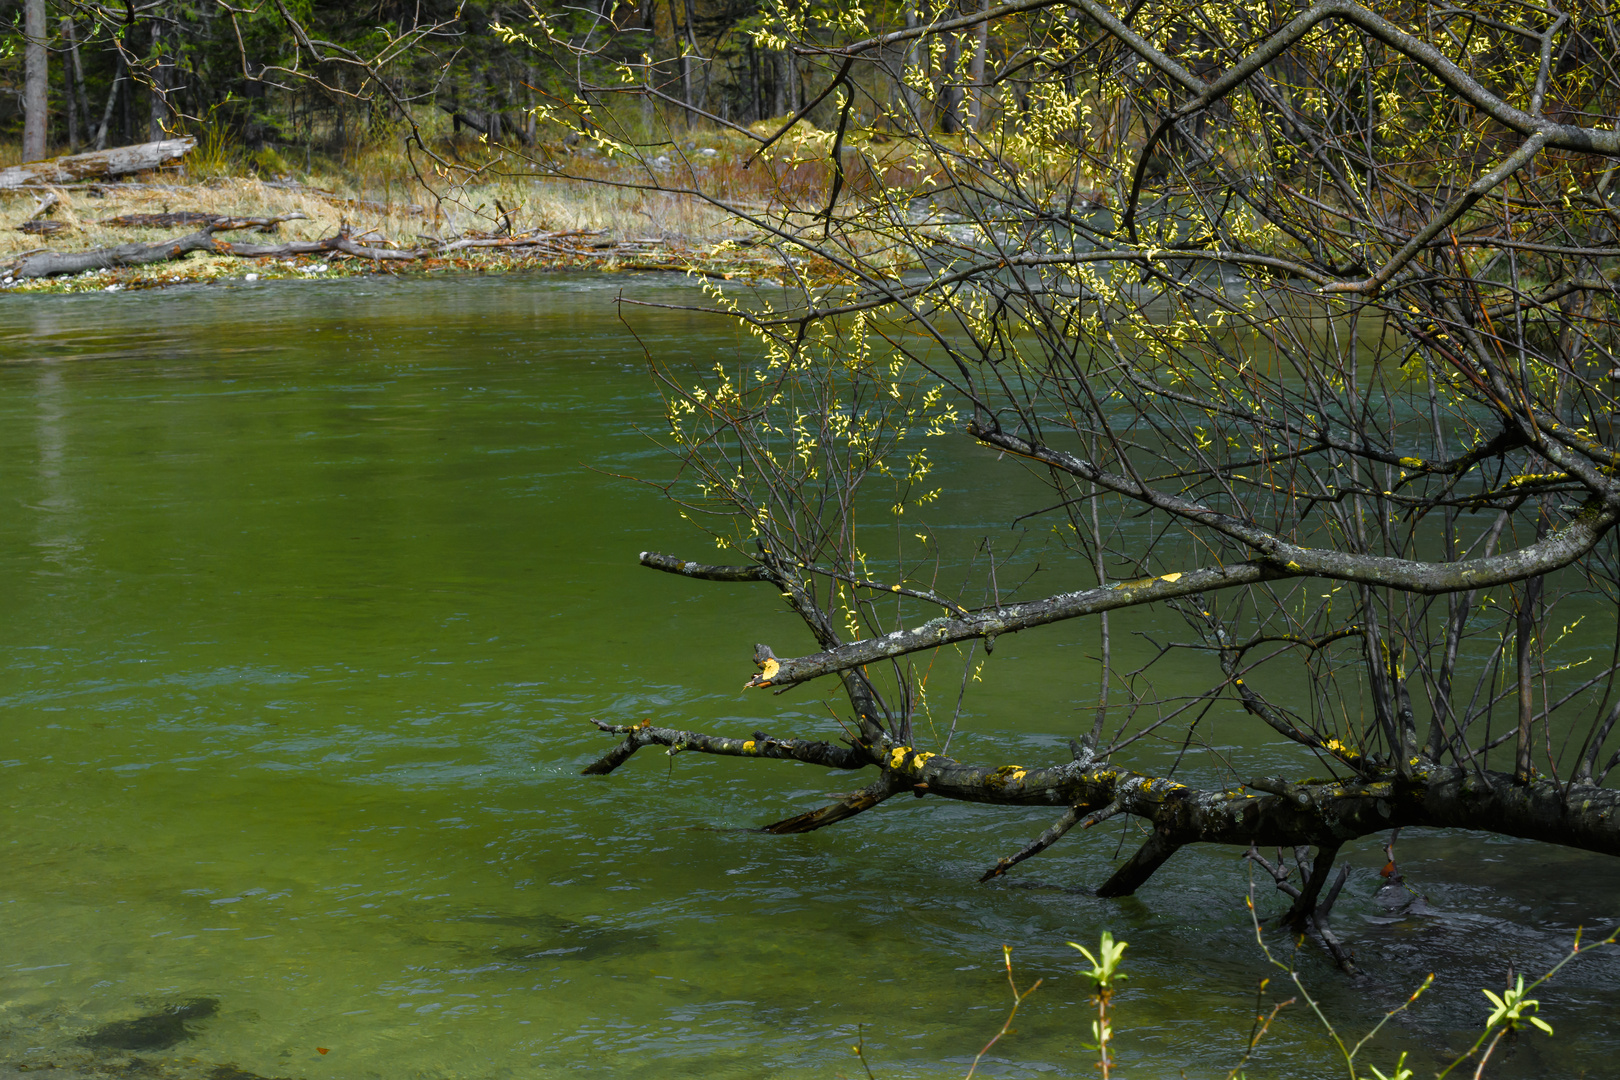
x: 168, y: 220
x: 761, y: 745
x: 669, y: 564
x: 1322, y: 814
x: 856, y: 802
x: 1306, y: 912
x: 1012, y: 618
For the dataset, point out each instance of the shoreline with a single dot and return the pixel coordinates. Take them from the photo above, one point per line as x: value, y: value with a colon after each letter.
x: 163, y: 233
x: 206, y: 269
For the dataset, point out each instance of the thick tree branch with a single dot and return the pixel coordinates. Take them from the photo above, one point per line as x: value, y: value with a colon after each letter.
x: 637, y: 736
x: 669, y: 564
x: 857, y: 802
x: 1280, y: 560
x: 1012, y: 618
x: 1560, y: 549
x: 1154, y: 853
x: 1323, y: 814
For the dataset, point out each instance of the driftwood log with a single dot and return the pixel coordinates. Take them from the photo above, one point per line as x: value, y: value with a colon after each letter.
x: 162, y: 221
x: 54, y: 263
x: 574, y: 244
x: 41, y: 224
x: 119, y: 161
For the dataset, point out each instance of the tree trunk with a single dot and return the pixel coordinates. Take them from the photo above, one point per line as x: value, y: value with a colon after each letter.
x: 36, y: 80
x: 126, y: 108
x: 950, y: 93
x: 911, y: 58
x: 782, y: 101
x: 529, y: 131
x: 158, y: 110
x: 112, y: 99
x: 688, y: 49
x: 981, y: 46
x: 78, y: 98
x: 72, y: 98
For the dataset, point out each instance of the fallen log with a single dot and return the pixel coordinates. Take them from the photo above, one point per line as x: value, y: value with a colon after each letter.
x: 49, y: 264
x: 162, y: 221
x: 55, y: 263
x: 342, y: 242
x: 41, y: 224
x: 119, y: 161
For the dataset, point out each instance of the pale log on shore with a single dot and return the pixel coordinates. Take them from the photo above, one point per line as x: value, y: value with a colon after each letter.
x: 566, y: 244
x: 99, y: 164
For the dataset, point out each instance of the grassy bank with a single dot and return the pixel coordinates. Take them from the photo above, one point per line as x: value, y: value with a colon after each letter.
x: 605, y: 212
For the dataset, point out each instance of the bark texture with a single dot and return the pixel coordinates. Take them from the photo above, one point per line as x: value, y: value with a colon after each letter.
x: 1324, y: 814
x: 36, y: 80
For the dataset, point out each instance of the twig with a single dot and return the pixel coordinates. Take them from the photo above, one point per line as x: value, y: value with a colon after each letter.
x: 1006, y: 1026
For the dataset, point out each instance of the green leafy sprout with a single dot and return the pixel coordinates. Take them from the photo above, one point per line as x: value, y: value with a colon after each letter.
x: 1509, y: 1008
x: 1105, y: 963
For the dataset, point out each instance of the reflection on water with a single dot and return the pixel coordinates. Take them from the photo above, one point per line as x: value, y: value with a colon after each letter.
x: 310, y: 591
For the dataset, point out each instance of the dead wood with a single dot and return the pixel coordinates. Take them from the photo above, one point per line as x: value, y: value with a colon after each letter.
x: 41, y: 223
x: 1308, y: 912
x: 120, y: 161
x: 566, y: 244
x: 55, y: 263
x: 162, y: 221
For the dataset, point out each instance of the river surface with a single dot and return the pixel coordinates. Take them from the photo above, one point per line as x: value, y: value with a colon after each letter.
x: 308, y: 592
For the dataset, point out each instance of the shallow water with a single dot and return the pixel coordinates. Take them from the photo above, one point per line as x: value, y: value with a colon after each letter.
x: 310, y: 590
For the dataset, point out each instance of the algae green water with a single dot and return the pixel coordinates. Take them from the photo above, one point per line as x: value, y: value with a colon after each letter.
x: 307, y: 593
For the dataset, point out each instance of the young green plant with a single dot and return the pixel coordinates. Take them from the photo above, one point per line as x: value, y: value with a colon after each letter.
x: 1105, y: 976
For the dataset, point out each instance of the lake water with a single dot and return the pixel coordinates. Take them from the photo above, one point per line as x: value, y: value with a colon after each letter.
x: 309, y: 593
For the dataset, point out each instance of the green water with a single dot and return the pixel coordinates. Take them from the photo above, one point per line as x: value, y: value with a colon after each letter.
x: 307, y: 593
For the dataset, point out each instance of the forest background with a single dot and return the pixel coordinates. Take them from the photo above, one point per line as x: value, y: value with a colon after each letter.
x: 284, y: 83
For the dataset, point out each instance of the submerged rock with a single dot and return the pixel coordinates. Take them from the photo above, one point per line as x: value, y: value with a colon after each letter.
x: 154, y: 1031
